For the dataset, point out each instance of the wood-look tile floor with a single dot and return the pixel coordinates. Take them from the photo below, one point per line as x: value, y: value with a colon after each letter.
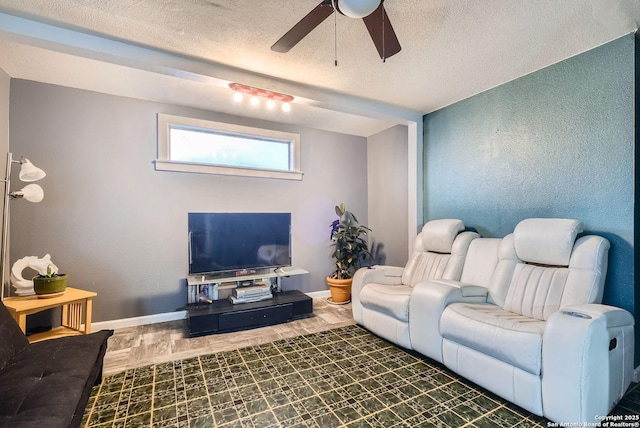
x: 158, y: 343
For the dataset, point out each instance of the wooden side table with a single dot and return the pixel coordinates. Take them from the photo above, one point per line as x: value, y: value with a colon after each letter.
x: 72, y: 302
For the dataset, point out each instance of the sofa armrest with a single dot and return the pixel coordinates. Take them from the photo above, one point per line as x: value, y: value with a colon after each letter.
x: 587, y: 362
x: 474, y: 291
x: 466, y: 290
x: 390, y: 271
x: 609, y: 315
x: 379, y: 274
x: 429, y: 299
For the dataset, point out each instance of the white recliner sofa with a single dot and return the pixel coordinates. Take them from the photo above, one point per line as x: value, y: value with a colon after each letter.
x: 524, y: 321
x: 381, y: 295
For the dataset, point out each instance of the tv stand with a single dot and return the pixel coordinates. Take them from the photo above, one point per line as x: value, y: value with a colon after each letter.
x: 206, y: 314
x: 221, y: 316
x: 205, y: 288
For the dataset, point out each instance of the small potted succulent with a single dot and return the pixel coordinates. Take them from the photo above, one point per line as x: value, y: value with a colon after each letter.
x: 350, y: 251
x: 51, y: 283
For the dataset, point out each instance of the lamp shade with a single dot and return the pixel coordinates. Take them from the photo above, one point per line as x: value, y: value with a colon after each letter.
x: 29, y: 172
x: 358, y: 8
x: 30, y: 192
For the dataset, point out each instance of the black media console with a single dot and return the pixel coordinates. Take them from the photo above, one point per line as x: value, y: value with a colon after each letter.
x: 222, y: 316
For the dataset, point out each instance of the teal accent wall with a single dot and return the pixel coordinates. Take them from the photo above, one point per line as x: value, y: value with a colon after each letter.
x: 555, y: 143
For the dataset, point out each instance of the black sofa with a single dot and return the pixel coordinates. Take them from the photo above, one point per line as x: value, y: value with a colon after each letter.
x: 46, y: 384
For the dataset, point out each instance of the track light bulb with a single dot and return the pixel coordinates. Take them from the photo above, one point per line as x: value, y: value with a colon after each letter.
x: 255, y: 100
x: 286, y: 107
x: 270, y: 103
x: 237, y: 96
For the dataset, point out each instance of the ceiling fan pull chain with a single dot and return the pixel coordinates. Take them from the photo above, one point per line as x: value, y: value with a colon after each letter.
x: 335, y: 34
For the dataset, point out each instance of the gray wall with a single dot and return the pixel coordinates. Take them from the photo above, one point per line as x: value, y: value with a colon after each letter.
x: 118, y: 227
x: 555, y: 143
x: 387, y: 163
x: 5, y: 82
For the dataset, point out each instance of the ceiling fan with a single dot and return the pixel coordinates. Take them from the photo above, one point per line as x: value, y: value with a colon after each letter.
x: 372, y: 13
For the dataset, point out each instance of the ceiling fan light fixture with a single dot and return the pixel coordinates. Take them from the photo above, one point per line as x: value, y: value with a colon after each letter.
x: 372, y: 12
x: 357, y: 8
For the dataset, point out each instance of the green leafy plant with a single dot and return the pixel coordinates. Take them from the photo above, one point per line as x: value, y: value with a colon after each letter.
x: 50, y: 273
x: 350, y: 248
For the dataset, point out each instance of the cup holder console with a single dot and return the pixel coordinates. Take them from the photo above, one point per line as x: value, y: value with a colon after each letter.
x: 577, y: 315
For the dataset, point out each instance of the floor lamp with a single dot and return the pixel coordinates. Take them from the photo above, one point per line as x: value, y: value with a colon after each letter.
x: 31, y: 192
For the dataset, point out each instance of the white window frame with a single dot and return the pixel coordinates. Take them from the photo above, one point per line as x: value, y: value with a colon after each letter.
x: 164, y: 162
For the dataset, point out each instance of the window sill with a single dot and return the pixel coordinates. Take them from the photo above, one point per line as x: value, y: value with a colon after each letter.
x: 165, y: 165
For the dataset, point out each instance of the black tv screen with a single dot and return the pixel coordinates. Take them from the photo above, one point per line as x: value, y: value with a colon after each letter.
x: 232, y: 242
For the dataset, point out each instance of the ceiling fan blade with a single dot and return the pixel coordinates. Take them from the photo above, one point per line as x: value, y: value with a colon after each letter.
x: 304, y: 27
x: 382, y: 33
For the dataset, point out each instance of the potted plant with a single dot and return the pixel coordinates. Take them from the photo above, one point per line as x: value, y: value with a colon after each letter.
x: 51, y: 283
x: 350, y: 251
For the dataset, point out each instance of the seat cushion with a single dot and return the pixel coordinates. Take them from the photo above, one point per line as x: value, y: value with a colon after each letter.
x: 504, y: 335
x: 392, y: 300
x: 49, y: 382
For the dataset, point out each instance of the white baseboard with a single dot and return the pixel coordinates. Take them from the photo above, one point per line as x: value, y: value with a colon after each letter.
x: 136, y: 321
x: 319, y: 294
x: 166, y: 317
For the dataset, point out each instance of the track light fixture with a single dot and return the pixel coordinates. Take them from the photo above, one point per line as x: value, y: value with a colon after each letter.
x: 255, y: 94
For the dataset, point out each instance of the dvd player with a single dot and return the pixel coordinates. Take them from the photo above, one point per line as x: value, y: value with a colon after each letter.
x: 252, y: 291
x: 258, y: 298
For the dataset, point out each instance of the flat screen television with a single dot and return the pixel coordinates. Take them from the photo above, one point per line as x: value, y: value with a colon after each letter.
x: 228, y: 243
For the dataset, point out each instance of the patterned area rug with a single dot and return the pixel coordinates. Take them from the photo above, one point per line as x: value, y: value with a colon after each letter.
x: 344, y: 377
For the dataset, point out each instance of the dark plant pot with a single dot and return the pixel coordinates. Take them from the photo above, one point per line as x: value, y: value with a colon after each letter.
x: 48, y: 286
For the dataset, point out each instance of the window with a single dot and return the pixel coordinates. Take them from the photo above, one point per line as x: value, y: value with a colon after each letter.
x: 194, y: 145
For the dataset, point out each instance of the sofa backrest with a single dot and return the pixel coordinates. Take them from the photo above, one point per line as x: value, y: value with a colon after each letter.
x: 543, y: 267
x: 12, y: 340
x: 481, y: 261
x: 438, y: 252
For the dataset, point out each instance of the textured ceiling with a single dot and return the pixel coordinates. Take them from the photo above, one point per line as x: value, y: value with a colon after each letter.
x: 451, y: 49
